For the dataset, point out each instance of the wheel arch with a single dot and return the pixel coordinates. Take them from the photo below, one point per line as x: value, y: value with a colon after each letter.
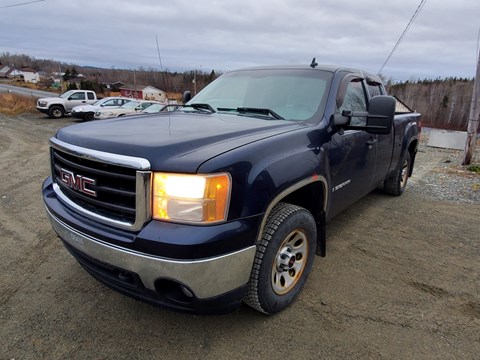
x: 308, y: 193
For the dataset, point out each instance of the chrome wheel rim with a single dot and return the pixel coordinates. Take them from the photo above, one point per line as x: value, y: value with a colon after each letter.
x: 290, y: 262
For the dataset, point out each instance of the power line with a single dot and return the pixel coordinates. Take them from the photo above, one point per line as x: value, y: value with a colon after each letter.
x: 20, y: 4
x: 415, y: 14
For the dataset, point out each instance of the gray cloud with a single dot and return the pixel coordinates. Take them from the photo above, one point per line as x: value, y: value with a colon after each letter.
x: 228, y: 34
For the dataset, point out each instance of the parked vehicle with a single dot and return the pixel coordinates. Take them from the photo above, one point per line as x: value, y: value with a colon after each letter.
x: 128, y: 109
x: 158, y: 108
x: 57, y: 107
x: 227, y: 199
x: 87, y: 112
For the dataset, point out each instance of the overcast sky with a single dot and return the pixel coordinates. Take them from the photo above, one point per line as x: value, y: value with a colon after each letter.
x: 226, y: 34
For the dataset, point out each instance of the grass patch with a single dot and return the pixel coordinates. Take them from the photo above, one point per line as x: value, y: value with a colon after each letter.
x: 474, y: 168
x: 14, y: 104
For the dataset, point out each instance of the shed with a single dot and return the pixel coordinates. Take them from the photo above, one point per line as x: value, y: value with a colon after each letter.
x: 143, y: 92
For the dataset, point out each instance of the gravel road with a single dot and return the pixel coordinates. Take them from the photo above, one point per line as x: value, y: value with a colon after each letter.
x: 400, y: 280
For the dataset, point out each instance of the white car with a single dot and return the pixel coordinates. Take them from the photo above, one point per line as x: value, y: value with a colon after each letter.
x: 129, y: 108
x: 87, y: 112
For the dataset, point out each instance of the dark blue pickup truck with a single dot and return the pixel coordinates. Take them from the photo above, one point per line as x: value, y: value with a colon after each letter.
x: 226, y: 200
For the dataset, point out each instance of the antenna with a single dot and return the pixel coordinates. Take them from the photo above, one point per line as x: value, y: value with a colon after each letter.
x: 314, y: 64
x: 161, y: 66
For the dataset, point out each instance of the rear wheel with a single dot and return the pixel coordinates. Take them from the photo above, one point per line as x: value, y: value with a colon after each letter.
x: 56, y: 112
x: 395, y: 185
x: 283, y: 259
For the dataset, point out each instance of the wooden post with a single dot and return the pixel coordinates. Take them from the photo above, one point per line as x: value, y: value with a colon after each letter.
x: 473, y: 118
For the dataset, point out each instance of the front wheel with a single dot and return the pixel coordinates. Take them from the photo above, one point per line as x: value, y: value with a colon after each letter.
x: 283, y: 259
x: 56, y: 112
x: 395, y: 185
x: 89, y: 116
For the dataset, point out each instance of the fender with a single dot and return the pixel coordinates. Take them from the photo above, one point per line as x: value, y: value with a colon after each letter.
x: 319, y: 213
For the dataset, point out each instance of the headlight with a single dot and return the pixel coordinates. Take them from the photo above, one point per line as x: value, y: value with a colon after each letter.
x: 78, y: 110
x: 191, y: 198
x: 42, y: 103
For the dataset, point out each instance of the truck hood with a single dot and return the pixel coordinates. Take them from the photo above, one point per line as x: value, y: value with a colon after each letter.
x: 49, y: 99
x: 175, y: 142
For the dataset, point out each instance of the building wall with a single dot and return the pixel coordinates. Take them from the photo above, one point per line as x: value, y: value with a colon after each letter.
x: 136, y: 94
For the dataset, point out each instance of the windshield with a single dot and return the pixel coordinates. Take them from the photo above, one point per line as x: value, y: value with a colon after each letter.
x: 100, y: 102
x: 291, y: 94
x: 67, y: 94
x: 130, y: 105
x: 153, y: 108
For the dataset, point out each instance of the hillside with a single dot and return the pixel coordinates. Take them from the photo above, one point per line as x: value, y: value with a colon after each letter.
x: 443, y: 103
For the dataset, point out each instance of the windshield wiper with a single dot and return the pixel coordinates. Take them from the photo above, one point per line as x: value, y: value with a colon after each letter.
x: 257, y: 111
x: 201, y: 106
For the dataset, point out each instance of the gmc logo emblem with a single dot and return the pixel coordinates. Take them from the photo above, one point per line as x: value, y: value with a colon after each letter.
x: 77, y: 182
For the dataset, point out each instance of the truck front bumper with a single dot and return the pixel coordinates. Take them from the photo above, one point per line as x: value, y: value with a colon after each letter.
x: 214, y: 284
x: 42, y: 110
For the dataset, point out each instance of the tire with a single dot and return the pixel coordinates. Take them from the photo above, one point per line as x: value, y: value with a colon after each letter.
x: 56, y: 112
x: 89, y: 116
x: 283, y: 259
x: 395, y: 185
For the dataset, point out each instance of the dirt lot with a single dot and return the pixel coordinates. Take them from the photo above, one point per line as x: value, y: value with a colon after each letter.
x: 400, y: 281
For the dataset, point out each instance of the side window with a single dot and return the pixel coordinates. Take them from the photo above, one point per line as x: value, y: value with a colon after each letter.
x: 78, y: 96
x: 91, y: 96
x: 355, y: 101
x: 374, y: 90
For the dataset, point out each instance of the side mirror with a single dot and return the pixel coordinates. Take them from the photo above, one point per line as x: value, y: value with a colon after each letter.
x: 186, y: 97
x: 381, y: 112
x: 379, y: 118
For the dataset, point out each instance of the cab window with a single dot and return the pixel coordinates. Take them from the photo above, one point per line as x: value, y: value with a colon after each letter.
x: 355, y: 101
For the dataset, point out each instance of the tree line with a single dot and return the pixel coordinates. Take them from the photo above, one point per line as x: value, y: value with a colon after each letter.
x: 170, y: 81
x: 443, y: 103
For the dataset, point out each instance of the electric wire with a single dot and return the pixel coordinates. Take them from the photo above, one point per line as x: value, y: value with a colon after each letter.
x: 415, y: 14
x: 20, y: 4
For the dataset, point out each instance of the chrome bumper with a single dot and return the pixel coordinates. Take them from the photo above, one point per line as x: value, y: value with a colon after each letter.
x: 206, y: 278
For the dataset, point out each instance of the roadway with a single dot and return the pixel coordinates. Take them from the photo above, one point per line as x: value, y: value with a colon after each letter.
x: 26, y: 91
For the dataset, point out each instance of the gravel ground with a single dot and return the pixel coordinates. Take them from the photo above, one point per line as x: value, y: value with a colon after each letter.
x: 438, y: 174
x: 400, y: 280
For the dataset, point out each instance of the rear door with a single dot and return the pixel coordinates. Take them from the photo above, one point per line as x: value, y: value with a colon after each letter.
x: 384, y: 142
x: 352, y: 154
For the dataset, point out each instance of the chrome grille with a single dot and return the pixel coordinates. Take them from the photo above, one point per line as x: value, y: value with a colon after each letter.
x: 122, y: 187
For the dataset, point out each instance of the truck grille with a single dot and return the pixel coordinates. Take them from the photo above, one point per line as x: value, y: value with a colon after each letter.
x: 100, y: 186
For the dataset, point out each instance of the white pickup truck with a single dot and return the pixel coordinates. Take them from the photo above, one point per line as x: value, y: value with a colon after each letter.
x: 57, y: 107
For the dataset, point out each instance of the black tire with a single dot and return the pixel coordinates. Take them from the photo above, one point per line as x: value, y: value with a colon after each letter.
x: 89, y: 116
x: 56, y: 112
x: 395, y: 185
x: 283, y: 259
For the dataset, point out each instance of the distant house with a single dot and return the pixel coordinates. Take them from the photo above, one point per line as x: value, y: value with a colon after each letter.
x: 5, y: 71
x: 143, y: 92
x: 113, y: 86
x: 15, y: 74
x: 30, y: 75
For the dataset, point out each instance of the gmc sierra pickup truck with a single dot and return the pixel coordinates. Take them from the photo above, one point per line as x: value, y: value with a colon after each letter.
x: 57, y: 107
x: 226, y: 200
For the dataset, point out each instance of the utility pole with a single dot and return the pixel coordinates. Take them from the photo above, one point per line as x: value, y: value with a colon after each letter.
x: 473, y: 118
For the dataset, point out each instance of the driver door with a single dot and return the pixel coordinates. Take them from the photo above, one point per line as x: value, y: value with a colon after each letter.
x: 352, y: 154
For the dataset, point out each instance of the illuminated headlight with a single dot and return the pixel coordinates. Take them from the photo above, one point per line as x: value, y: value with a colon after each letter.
x: 78, y: 110
x: 191, y: 198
